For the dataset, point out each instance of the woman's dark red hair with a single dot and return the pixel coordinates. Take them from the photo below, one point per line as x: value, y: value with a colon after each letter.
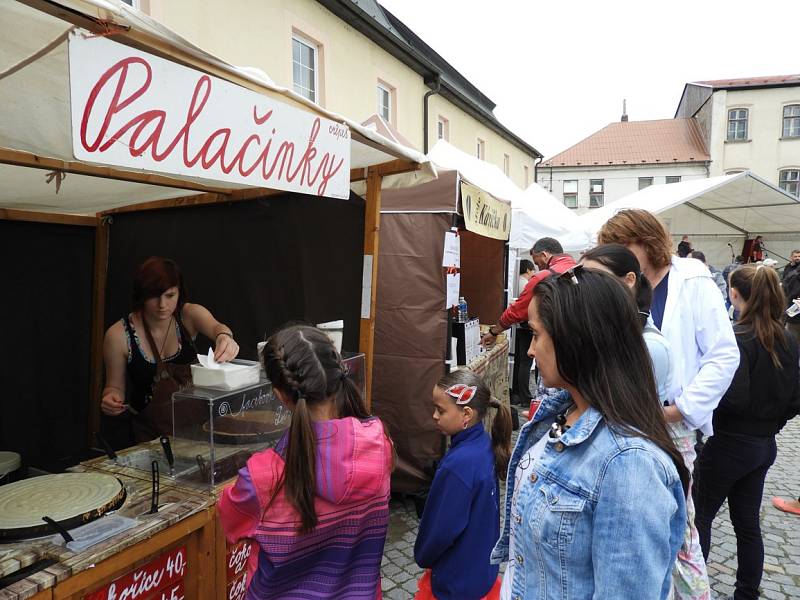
x: 154, y: 277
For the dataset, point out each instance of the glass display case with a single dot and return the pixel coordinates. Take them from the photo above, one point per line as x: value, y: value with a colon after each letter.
x: 215, y: 431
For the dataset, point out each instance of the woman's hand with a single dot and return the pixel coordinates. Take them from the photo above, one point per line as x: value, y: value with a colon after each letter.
x: 112, y: 403
x: 225, y: 348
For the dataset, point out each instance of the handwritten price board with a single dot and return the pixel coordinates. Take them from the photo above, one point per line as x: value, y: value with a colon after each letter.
x: 160, y: 579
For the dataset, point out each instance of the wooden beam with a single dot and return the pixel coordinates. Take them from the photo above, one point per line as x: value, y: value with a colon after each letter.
x: 366, y: 341
x: 10, y: 214
x: 100, y: 276
x: 358, y: 175
x: 26, y: 159
x: 200, y: 199
x: 395, y: 166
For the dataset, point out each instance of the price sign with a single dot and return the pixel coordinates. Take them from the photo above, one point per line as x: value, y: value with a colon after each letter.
x: 160, y: 579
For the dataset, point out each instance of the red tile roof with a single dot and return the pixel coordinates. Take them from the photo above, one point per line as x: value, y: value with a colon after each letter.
x: 664, y: 141
x: 770, y: 80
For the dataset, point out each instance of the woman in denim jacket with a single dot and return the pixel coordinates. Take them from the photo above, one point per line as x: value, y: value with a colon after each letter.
x: 596, y: 499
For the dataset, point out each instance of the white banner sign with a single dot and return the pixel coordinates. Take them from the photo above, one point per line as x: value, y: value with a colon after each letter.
x: 135, y: 110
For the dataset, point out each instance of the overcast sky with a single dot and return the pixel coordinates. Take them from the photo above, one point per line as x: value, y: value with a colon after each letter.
x: 558, y: 70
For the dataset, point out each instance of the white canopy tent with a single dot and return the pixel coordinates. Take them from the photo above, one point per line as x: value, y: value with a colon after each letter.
x: 717, y: 214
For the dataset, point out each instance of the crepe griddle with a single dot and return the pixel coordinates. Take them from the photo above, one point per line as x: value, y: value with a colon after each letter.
x: 69, y: 499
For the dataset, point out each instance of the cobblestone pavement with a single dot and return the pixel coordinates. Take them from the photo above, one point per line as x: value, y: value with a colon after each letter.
x: 781, y: 534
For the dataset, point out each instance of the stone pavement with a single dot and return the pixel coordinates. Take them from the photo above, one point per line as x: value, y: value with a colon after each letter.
x: 781, y: 534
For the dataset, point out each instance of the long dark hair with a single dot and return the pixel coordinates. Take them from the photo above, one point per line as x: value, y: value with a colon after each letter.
x: 302, y: 362
x: 621, y: 261
x: 601, y: 353
x: 480, y: 403
x: 760, y: 288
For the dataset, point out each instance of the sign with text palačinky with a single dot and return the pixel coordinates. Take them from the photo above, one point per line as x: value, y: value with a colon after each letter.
x: 138, y: 111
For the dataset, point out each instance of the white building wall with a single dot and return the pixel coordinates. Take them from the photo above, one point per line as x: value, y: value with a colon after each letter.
x: 764, y: 153
x: 618, y: 181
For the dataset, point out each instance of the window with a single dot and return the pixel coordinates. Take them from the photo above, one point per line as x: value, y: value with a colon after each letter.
x: 384, y: 102
x: 304, y: 67
x: 442, y: 129
x: 506, y: 164
x: 737, y: 125
x: 791, y: 120
x: 595, y: 193
x: 734, y: 171
x: 480, y: 149
x: 571, y: 193
x: 673, y: 178
x: 789, y: 181
x: 526, y: 175
x: 645, y: 182
x: 132, y: 3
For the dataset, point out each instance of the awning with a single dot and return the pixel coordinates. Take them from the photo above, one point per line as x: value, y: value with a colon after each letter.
x: 35, y: 95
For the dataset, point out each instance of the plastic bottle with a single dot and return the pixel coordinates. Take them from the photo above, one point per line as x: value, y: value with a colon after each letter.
x: 462, y: 310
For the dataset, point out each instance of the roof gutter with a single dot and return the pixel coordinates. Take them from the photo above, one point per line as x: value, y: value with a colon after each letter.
x: 435, y: 86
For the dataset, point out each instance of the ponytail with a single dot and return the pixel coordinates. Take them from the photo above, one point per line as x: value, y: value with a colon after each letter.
x: 300, y: 471
x: 349, y: 402
x: 760, y: 289
x: 501, y: 438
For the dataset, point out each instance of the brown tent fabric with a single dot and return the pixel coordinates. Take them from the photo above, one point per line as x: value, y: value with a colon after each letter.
x: 410, y: 338
x: 482, y: 271
x: 439, y: 195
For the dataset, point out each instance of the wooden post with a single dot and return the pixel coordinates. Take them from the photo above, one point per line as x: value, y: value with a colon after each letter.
x: 98, y: 323
x: 366, y: 342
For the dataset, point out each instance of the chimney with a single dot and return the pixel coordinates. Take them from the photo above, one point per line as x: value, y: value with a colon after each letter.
x: 624, y: 117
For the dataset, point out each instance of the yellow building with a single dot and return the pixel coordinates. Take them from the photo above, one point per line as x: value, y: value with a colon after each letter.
x: 355, y: 58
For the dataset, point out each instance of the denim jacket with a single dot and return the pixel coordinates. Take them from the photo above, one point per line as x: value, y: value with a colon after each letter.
x: 602, y: 515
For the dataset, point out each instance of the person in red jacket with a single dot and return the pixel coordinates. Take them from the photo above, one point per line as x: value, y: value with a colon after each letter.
x: 548, y: 255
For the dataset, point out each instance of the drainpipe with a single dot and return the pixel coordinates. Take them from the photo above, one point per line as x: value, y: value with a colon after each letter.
x: 434, y: 84
x: 536, y: 164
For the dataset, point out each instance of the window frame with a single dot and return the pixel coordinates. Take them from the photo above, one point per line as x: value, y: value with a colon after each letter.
x: 795, y: 182
x: 443, y: 124
x: 795, y: 118
x: 315, y: 47
x: 480, y: 148
x: 526, y: 175
x: 570, y: 199
x: 597, y: 199
x: 645, y: 180
x: 506, y: 165
x: 738, y: 120
x: 384, y: 87
x: 675, y: 179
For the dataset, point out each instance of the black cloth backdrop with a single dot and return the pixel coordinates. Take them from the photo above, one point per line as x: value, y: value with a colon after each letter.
x: 45, y: 366
x: 255, y: 264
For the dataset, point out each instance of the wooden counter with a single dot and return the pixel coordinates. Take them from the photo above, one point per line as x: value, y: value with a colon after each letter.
x: 185, y: 523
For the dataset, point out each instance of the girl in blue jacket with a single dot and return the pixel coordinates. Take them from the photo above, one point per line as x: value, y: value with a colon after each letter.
x: 461, y: 521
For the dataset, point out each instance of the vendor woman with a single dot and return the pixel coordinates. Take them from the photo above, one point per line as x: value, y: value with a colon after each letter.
x: 160, y: 329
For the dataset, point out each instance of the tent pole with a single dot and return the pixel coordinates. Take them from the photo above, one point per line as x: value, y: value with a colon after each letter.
x: 366, y: 342
x: 98, y: 324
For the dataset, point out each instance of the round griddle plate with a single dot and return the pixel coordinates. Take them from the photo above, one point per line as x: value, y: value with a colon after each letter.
x: 70, y: 499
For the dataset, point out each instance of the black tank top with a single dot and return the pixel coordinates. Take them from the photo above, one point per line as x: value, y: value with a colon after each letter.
x: 142, y: 372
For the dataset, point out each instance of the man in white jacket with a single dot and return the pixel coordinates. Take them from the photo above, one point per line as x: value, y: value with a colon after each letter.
x: 689, y: 311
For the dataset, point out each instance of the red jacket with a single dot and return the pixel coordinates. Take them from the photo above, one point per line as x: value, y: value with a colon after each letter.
x: 518, y: 312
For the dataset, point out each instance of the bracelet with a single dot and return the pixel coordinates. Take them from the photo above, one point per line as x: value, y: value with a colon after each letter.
x: 228, y: 333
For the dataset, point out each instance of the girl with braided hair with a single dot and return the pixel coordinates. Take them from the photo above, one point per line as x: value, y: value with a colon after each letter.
x: 317, y: 505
